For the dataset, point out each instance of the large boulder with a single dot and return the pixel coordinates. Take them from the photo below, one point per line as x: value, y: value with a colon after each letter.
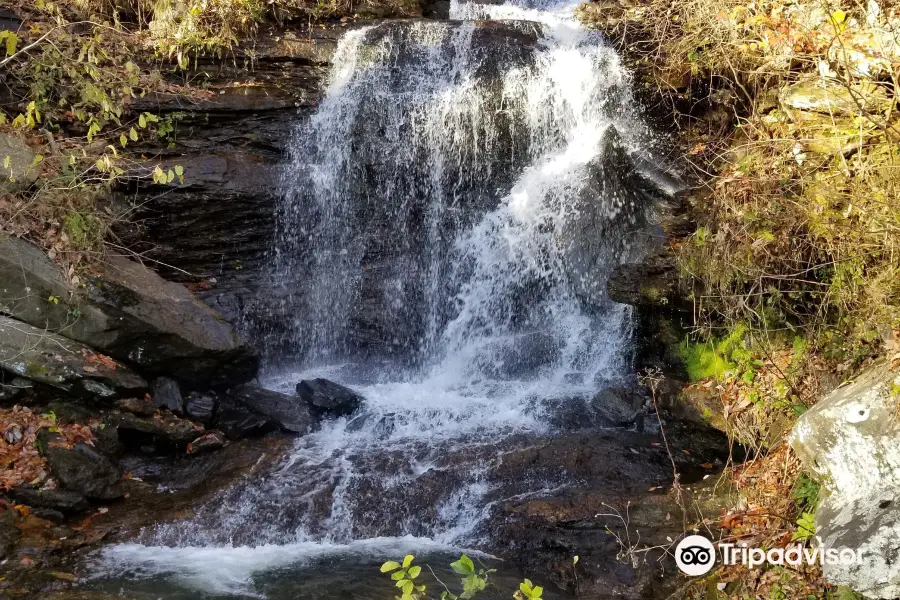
x: 81, y: 468
x: 291, y: 413
x: 327, y: 398
x: 127, y: 311
x: 850, y: 441
x: 51, y: 359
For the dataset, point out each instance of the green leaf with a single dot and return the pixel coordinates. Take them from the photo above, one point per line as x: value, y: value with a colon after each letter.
x: 407, y: 560
x: 398, y: 574
x: 391, y: 565
x: 11, y: 40
x: 414, y: 572
x: 123, y: 140
x: 464, y: 566
x: 142, y: 122
x: 407, y: 587
x: 575, y: 559
x: 133, y: 134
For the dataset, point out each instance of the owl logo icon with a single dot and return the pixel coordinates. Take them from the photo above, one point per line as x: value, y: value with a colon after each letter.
x: 695, y: 555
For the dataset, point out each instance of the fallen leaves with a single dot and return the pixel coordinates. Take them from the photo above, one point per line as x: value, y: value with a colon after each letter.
x: 20, y: 459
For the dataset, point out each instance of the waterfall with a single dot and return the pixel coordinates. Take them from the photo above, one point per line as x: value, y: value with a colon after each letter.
x: 451, y: 213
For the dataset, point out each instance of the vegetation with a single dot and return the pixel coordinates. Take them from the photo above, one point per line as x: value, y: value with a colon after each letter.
x: 472, y: 581
x: 788, y: 113
x: 72, y: 71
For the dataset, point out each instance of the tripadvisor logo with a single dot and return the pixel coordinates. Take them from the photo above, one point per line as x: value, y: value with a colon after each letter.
x: 695, y: 555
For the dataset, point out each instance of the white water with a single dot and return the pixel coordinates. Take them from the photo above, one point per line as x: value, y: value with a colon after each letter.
x: 484, y: 317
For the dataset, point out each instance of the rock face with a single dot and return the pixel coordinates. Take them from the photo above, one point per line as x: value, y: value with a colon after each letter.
x: 62, y: 363
x: 599, y: 239
x: 851, y: 441
x: 128, y: 312
x: 230, y: 140
x: 327, y: 398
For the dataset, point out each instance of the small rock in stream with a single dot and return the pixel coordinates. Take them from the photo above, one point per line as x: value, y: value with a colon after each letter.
x: 214, y: 440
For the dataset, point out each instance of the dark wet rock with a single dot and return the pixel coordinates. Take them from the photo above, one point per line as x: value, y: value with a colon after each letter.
x: 293, y: 414
x: 327, y: 398
x: 71, y: 412
x: 610, y: 407
x: 381, y: 428
x: 142, y: 407
x: 520, y: 355
x: 9, y: 533
x: 652, y: 282
x: 618, y: 406
x: 81, y: 468
x: 167, y: 394
x: 53, y: 360
x: 163, y: 431
x: 596, y: 241
x: 127, y: 311
x: 64, y: 501
x: 16, y: 387
x: 237, y: 422
x: 214, y: 440
x: 201, y: 406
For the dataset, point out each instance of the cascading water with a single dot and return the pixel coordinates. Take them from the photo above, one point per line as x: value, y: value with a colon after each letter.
x: 451, y: 213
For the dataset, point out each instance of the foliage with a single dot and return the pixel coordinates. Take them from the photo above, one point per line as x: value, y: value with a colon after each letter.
x: 72, y: 83
x: 472, y: 581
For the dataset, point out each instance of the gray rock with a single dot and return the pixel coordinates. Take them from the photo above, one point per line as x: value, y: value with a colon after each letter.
x: 813, y: 95
x: 850, y: 441
x: 167, y: 394
x: 21, y: 171
x: 128, y: 312
x: 81, y: 468
x: 62, y: 363
x: 327, y: 398
x: 293, y: 414
x: 138, y: 406
x: 201, y: 406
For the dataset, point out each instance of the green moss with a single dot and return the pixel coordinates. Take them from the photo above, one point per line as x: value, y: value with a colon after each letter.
x: 703, y: 361
x: 715, y: 358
